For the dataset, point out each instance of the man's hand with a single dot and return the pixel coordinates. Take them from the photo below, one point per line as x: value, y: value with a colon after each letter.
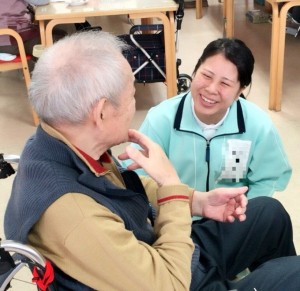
x: 151, y: 158
x: 221, y: 204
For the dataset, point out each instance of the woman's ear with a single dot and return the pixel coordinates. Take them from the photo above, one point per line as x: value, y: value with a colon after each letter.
x: 240, y: 94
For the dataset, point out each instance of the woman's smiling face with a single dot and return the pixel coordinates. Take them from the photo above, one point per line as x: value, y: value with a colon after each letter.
x: 214, y: 88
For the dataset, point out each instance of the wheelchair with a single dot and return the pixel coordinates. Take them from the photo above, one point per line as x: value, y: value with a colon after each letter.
x: 16, y: 256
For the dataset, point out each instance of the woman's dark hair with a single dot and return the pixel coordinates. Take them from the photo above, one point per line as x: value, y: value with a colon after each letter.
x: 236, y: 52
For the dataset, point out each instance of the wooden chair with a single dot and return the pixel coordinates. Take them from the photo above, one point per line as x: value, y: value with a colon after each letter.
x: 18, y: 63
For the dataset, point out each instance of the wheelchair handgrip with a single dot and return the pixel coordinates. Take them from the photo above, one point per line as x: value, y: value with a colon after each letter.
x: 149, y: 27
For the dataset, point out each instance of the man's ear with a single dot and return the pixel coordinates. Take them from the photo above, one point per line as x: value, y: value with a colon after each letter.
x: 98, y: 111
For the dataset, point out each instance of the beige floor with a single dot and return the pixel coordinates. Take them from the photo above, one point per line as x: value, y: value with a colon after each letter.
x: 16, y: 124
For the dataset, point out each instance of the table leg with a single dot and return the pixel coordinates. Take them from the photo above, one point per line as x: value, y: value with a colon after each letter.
x: 54, y: 22
x: 170, y: 49
x: 147, y: 21
x: 42, y: 32
x: 170, y: 55
x: 277, y: 52
x: 199, y: 9
x: 274, y: 55
x: 228, y: 18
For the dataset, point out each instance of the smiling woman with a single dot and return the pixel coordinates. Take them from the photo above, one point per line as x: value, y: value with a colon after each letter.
x: 216, y: 86
x: 215, y: 138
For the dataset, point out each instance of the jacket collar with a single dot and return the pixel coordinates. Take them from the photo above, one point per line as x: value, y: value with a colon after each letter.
x: 95, y: 166
x: 185, y: 121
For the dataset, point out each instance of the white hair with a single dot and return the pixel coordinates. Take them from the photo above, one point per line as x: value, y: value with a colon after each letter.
x: 76, y: 72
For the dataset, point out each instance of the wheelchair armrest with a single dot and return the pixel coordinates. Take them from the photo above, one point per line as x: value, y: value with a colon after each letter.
x: 25, y: 250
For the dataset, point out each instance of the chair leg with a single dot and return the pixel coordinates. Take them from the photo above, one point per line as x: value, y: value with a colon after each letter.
x: 198, y: 9
x: 36, y: 119
x: 17, y: 37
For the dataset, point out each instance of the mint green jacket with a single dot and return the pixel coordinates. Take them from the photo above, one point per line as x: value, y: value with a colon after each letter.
x: 246, y: 149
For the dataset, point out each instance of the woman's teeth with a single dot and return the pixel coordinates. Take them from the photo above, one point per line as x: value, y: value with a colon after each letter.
x: 208, y: 100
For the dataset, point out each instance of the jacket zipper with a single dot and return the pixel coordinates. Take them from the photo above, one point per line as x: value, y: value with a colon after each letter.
x: 207, y: 159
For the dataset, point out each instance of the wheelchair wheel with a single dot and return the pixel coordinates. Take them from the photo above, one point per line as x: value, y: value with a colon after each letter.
x: 183, y: 83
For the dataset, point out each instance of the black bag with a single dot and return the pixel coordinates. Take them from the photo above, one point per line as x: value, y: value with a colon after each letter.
x: 153, y: 44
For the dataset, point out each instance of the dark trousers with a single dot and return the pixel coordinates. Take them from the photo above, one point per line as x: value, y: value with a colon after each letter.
x: 226, y: 249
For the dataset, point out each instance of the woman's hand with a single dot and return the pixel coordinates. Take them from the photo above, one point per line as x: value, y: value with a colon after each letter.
x: 151, y: 158
x: 221, y: 204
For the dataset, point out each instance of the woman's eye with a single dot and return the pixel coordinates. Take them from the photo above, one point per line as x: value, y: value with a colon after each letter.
x: 225, y: 84
x: 206, y: 76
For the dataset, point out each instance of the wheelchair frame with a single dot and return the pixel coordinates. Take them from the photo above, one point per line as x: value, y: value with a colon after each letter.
x: 14, y: 256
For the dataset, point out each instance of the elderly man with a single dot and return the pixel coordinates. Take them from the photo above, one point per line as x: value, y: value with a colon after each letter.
x: 96, y: 221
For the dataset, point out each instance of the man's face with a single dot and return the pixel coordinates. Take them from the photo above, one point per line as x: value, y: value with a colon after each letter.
x: 123, y: 114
